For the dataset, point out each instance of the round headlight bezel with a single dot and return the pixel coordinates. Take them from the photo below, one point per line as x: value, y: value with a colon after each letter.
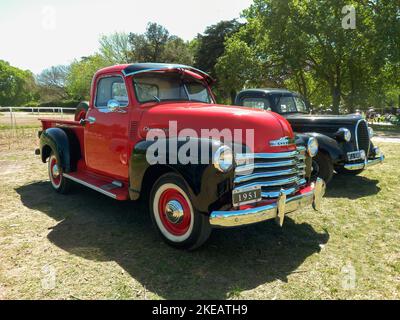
x: 345, y: 134
x: 219, y: 159
x: 312, y: 147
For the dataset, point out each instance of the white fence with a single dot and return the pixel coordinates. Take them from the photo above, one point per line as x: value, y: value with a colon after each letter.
x: 32, y: 111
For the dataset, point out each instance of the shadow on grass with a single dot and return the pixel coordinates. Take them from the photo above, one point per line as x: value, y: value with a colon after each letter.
x: 351, y: 187
x: 95, y: 227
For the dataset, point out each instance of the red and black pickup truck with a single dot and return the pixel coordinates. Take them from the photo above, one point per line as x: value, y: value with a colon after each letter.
x: 154, y: 131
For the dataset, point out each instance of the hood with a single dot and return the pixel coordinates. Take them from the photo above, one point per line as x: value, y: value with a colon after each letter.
x: 266, y: 125
x: 309, y: 119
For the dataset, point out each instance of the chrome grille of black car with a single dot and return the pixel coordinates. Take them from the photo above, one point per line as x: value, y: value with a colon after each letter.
x: 273, y: 172
x: 362, y: 136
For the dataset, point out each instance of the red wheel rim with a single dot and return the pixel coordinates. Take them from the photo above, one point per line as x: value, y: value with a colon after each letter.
x: 174, y: 211
x: 54, y: 172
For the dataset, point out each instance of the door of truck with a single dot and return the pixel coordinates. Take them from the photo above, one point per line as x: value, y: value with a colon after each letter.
x: 106, y: 130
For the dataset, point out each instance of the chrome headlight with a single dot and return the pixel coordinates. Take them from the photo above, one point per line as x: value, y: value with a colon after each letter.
x: 223, y: 159
x: 370, y: 132
x: 312, y: 147
x: 345, y: 134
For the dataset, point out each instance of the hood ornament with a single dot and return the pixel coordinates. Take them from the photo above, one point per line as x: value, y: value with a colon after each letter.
x: 282, y: 142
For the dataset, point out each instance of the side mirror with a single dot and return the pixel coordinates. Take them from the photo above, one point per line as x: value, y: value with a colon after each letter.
x: 113, y: 104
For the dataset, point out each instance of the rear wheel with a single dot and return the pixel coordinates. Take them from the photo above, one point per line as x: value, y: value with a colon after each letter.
x: 322, y: 167
x: 59, y: 183
x: 174, y: 216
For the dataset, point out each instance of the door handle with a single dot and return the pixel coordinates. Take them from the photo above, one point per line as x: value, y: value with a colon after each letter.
x: 89, y: 120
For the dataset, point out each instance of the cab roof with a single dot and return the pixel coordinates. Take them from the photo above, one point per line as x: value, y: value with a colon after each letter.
x: 136, y: 68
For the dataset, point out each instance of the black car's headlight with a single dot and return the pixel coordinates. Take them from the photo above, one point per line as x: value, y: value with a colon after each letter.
x: 344, y: 134
x: 370, y: 132
x: 312, y: 147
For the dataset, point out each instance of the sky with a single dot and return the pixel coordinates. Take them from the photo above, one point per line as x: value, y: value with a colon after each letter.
x: 35, y: 35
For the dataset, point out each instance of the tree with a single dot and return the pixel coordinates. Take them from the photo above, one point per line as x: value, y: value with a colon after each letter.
x: 80, y: 75
x: 157, y: 45
x: 116, y: 48
x: 303, y: 44
x: 52, y: 82
x: 16, y: 86
x: 210, y: 45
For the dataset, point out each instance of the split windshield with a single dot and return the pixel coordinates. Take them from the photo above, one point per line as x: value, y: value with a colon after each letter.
x: 169, y: 86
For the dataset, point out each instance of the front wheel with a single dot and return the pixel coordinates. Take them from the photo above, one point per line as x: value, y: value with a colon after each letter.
x: 174, y: 216
x: 59, y: 183
x: 322, y: 167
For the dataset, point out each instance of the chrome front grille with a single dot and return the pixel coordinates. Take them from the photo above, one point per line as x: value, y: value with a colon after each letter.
x: 273, y: 172
x: 362, y: 136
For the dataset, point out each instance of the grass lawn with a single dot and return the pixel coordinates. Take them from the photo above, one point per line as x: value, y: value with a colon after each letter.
x: 88, y: 246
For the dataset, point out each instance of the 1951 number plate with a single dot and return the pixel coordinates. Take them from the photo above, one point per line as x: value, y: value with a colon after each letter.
x: 247, y: 196
x: 356, y: 155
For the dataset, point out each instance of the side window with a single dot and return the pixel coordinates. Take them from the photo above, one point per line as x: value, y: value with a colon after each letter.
x: 111, y: 88
x: 257, y: 103
x: 287, y: 104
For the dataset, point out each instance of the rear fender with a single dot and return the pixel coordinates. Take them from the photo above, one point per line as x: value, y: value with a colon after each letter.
x: 64, y: 143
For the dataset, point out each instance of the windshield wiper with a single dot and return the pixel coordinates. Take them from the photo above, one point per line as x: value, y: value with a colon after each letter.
x: 157, y: 98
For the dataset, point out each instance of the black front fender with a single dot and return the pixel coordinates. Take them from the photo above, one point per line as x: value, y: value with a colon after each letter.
x: 210, y: 188
x: 325, y: 143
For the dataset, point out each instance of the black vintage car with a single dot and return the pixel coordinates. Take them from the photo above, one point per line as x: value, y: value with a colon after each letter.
x: 345, y: 144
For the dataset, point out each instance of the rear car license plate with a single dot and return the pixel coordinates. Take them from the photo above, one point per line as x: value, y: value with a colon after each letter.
x: 247, y: 196
x: 356, y: 155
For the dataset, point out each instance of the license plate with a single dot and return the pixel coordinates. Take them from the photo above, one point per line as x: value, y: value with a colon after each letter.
x: 356, y: 155
x: 247, y: 196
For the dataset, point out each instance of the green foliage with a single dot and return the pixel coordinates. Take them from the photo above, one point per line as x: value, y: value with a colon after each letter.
x: 157, y: 45
x: 16, y: 86
x: 80, y: 76
x: 302, y: 45
x: 210, y: 45
x: 115, y: 48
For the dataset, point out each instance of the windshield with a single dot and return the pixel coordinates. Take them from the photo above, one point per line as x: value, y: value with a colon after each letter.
x: 290, y: 104
x: 155, y: 86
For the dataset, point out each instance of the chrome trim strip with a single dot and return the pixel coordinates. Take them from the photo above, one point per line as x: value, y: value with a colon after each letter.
x: 267, y: 174
x: 274, y: 183
x: 86, y: 184
x: 223, y: 219
x: 278, y: 155
x: 265, y: 165
x: 364, y: 165
x: 276, y: 194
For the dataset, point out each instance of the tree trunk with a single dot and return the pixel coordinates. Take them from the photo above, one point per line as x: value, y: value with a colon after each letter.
x: 336, y: 99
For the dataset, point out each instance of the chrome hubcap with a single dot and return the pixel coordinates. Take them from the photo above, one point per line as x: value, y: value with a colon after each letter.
x: 174, y: 212
x: 55, y: 171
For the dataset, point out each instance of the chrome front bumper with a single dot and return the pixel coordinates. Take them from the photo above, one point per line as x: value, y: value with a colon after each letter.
x: 277, y: 211
x: 366, y: 164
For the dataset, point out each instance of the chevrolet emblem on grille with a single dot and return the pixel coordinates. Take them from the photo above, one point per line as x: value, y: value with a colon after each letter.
x: 285, y: 141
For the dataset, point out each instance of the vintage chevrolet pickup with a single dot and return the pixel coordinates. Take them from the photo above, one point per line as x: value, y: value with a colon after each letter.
x: 344, y: 141
x: 142, y: 135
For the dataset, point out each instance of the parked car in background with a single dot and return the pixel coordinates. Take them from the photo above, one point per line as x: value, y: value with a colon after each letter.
x: 109, y: 148
x: 345, y: 144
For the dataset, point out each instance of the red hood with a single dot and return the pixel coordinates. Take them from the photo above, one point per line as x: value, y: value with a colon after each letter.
x: 267, y: 125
